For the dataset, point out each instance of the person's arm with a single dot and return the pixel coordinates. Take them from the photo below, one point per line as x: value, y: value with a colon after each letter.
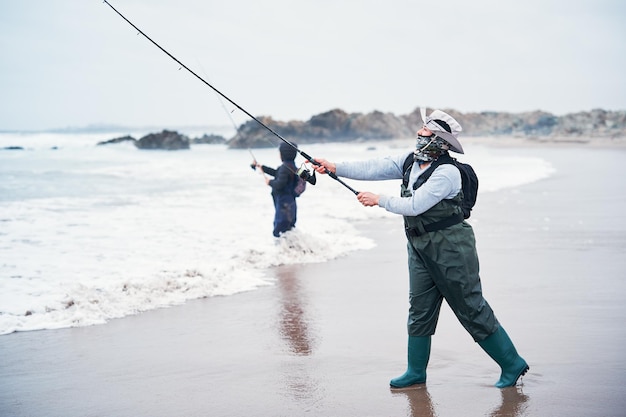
x: 283, y: 177
x: 268, y: 170
x: 444, y: 183
x: 387, y: 168
x: 375, y: 169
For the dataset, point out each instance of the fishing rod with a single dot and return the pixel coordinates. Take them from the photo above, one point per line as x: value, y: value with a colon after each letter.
x: 303, y: 173
x: 255, y: 164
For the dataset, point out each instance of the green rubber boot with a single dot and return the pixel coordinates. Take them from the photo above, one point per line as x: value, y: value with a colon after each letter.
x: 501, y: 349
x: 418, y: 354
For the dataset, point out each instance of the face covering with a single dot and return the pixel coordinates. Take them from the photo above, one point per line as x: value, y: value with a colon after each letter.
x: 429, y: 148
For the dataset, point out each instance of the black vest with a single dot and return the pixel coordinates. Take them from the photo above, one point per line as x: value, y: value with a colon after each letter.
x: 442, y: 215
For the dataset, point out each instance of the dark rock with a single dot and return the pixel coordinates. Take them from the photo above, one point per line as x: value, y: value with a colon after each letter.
x: 378, y: 125
x: 332, y: 126
x: 117, y: 140
x: 209, y: 139
x: 252, y: 134
x: 167, y: 140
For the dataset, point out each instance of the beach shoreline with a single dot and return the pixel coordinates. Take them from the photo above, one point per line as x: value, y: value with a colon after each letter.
x: 327, y: 337
x: 549, y: 141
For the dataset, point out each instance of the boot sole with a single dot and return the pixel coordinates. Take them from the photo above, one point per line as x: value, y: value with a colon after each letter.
x: 412, y: 386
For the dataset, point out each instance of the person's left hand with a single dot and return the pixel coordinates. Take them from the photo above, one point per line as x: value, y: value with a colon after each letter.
x: 368, y: 199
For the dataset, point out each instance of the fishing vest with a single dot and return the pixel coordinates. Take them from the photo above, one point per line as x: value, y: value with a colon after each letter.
x: 442, y: 215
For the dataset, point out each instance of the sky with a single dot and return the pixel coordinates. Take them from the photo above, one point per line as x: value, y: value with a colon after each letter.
x: 76, y: 63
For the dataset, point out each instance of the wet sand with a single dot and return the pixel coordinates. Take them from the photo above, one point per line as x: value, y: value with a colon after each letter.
x: 326, y: 339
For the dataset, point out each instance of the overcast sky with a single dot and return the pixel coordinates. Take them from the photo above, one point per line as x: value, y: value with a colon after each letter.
x: 77, y: 63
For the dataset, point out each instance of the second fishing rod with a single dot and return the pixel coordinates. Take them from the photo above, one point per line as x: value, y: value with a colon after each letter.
x: 303, y: 173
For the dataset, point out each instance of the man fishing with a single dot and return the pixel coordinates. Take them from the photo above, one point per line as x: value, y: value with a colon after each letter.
x: 283, y: 184
x: 443, y: 262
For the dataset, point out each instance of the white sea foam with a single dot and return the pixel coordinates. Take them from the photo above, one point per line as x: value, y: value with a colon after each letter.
x: 91, y: 233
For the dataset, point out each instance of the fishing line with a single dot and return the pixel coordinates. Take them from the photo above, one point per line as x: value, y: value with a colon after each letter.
x: 304, y: 155
x: 228, y: 113
x: 255, y: 165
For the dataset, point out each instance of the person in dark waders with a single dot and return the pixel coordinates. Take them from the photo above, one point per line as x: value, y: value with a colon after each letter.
x: 283, y: 185
x: 443, y: 263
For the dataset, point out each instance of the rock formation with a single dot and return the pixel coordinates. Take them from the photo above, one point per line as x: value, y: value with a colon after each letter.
x: 339, y: 126
x: 126, y: 138
x: 209, y: 139
x: 167, y: 140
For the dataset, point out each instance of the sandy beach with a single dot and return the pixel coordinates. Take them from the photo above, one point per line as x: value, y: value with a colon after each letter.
x: 326, y: 339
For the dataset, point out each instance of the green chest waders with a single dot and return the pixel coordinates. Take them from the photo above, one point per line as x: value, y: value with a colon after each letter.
x: 443, y: 263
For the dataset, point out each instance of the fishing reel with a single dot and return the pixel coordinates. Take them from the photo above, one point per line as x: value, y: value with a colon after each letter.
x: 304, y: 173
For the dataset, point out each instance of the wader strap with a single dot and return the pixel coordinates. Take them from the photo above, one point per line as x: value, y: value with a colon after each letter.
x: 431, y: 227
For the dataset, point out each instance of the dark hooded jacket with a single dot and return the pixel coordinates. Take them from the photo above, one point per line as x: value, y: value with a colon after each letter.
x: 283, y: 186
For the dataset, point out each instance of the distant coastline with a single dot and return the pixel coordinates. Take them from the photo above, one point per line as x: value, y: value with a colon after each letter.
x: 597, y: 126
x: 114, y: 129
x: 339, y: 126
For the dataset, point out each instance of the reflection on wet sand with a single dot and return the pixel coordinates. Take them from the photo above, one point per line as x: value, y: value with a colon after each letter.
x: 420, y: 403
x: 294, y: 327
x: 514, y: 402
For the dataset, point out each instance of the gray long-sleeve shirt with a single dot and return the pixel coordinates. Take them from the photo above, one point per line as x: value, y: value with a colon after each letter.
x: 444, y: 182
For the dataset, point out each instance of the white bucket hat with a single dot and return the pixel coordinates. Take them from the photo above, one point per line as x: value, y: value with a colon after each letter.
x: 431, y: 123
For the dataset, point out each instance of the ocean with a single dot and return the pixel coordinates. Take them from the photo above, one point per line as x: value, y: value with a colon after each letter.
x: 92, y: 233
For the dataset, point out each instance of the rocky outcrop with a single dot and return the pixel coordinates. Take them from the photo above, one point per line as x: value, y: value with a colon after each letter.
x: 117, y: 140
x: 209, y: 140
x: 337, y: 126
x: 596, y: 123
x: 167, y: 140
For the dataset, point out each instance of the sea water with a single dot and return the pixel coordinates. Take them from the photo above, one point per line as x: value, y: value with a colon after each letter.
x: 90, y: 233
